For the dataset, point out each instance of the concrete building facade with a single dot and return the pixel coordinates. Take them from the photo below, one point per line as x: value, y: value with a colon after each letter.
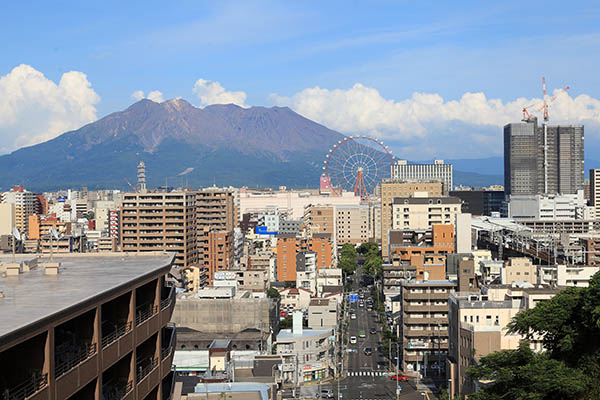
x: 436, y: 172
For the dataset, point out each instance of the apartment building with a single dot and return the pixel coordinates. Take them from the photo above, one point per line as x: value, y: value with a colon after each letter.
x: 425, y: 324
x: 477, y: 326
x: 352, y: 224
x: 595, y: 191
x: 39, y: 226
x: 566, y: 275
x: 320, y: 219
x: 110, y: 338
x: 290, y: 245
x: 114, y: 217
x: 25, y: 204
x: 519, y: 269
x: 159, y: 222
x: 217, y: 248
x: 390, y: 189
x: 423, y: 212
x: 107, y: 244
x: 404, y: 244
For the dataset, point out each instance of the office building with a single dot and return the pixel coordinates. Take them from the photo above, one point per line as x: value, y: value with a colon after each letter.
x: 390, y: 189
x: 528, y: 169
x: 479, y: 202
x: 109, y: 338
x: 320, y: 219
x: 159, y: 222
x: 352, y: 224
x: 436, y: 172
x: 548, y: 207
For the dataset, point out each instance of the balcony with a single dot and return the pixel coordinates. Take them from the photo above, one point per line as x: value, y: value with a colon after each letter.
x: 110, y: 392
x: 116, y: 344
x: 407, y: 320
x: 425, y: 332
x: 147, y: 321
x: 147, y: 376
x: 26, y: 390
x: 75, y: 372
x: 167, y: 306
x: 167, y: 353
x: 425, y: 308
x: 426, y: 296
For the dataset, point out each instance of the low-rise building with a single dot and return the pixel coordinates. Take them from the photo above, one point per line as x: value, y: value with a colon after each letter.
x: 295, y: 298
x: 519, y: 269
x: 566, y: 275
x: 307, y: 353
x: 322, y: 314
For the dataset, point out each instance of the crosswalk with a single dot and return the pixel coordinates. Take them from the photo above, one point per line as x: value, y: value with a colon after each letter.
x: 366, y: 373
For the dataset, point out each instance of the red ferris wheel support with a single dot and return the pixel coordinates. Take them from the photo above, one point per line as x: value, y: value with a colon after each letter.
x: 360, y: 188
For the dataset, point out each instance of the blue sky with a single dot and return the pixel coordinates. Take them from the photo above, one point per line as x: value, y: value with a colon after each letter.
x: 274, y: 52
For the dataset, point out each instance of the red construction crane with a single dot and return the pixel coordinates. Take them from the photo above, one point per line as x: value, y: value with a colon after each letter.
x: 543, y: 105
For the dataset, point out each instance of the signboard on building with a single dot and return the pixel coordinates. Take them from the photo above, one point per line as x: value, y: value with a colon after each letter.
x: 262, y: 230
x: 225, y: 276
x: 417, y: 345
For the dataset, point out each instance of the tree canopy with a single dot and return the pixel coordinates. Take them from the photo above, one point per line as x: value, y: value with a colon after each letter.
x: 347, y: 261
x: 569, y: 368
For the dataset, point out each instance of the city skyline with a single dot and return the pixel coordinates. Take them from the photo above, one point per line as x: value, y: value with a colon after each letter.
x: 374, y: 71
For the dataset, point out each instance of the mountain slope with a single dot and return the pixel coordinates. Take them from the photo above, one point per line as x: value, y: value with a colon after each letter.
x: 225, y: 144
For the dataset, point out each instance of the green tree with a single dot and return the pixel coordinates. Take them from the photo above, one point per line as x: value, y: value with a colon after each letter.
x: 367, y: 247
x: 348, y: 251
x: 522, y: 374
x: 373, y: 264
x: 273, y: 293
x: 347, y: 261
x: 569, y: 325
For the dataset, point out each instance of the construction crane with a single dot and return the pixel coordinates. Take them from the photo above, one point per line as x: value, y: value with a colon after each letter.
x: 527, y: 117
x: 133, y: 188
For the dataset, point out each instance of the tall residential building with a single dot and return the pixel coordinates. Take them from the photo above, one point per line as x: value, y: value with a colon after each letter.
x: 595, y: 191
x: 352, y: 224
x: 159, y: 222
x: 425, y: 323
x: 107, y: 339
x: 25, y: 204
x: 217, y: 248
x: 214, y: 209
x: 391, y: 189
x: 529, y: 169
x: 436, y: 172
x: 320, y: 219
x: 290, y: 245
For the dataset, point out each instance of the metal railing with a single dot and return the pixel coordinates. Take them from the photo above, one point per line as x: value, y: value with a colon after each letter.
x: 166, y: 351
x: 20, y: 392
x: 143, y: 371
x: 116, y: 393
x: 116, y: 334
x: 77, y: 359
x: 167, y: 302
x: 144, y: 313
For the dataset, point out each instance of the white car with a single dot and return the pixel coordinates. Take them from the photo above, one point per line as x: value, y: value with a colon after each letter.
x: 352, y: 316
x: 352, y: 339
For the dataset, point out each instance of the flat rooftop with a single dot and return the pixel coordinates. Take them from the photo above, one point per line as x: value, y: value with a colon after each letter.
x: 32, y: 296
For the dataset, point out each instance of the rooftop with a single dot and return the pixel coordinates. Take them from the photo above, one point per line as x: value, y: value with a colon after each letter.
x: 33, y: 296
x: 288, y: 333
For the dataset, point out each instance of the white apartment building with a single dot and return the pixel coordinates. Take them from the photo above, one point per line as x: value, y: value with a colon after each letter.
x: 595, y: 191
x: 24, y: 205
x: 566, y: 275
x: 436, y: 172
x: 423, y: 212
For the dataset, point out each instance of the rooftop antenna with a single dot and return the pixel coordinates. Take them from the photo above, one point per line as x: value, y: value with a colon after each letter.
x: 53, y: 235
x: 16, y: 237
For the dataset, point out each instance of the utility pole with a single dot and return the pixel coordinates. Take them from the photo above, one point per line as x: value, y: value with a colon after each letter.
x: 397, y: 370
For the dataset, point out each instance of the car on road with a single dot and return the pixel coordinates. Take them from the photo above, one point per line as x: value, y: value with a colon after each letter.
x: 352, y: 316
x: 361, y: 334
x: 368, y: 351
x: 399, y: 378
x: 369, y: 309
x: 361, y: 304
x: 352, y: 339
x: 372, y: 331
x: 326, y: 394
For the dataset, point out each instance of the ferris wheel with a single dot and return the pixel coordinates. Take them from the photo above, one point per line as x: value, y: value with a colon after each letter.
x: 357, y: 164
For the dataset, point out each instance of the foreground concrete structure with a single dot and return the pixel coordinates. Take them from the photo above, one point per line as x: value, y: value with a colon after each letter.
x: 86, y: 327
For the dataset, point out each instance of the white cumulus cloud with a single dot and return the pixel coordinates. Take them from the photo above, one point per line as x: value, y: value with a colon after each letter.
x: 34, y: 109
x: 428, y: 123
x: 155, y: 95
x: 213, y: 93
